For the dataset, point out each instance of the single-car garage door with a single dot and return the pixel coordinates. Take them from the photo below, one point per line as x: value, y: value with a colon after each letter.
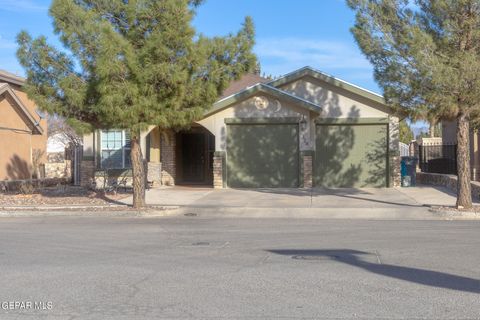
x: 351, y: 155
x: 262, y: 155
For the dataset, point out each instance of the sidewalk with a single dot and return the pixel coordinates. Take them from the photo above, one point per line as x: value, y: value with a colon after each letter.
x: 385, y: 204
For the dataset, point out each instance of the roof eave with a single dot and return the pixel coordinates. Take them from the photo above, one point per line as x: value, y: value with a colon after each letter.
x: 12, y: 79
x: 264, y: 88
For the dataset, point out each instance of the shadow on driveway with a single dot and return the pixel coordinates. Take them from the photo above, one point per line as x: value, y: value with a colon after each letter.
x: 415, y: 275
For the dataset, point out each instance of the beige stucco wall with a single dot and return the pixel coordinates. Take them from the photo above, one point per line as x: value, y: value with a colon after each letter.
x: 39, y: 141
x: 19, y: 146
x: 336, y: 102
x: 274, y: 108
x: 88, y: 145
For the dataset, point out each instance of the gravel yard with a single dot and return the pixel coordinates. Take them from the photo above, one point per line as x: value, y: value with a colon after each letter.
x: 61, y: 195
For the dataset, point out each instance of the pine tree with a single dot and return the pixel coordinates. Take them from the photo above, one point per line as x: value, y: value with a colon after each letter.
x: 131, y: 64
x: 426, y: 58
x: 405, y: 132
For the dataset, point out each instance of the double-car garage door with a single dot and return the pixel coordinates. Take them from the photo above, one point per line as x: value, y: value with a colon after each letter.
x: 261, y: 155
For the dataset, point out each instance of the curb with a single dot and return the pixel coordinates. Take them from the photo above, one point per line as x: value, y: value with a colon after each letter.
x: 455, y: 215
x: 72, y: 207
x: 87, y: 211
x: 421, y: 213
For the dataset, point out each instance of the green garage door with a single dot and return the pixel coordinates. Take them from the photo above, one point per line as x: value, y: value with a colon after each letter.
x: 351, y: 155
x: 262, y: 155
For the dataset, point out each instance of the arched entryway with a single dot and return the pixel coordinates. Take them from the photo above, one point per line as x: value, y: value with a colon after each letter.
x: 194, y: 156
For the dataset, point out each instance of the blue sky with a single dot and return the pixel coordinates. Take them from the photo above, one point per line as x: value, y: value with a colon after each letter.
x: 290, y: 33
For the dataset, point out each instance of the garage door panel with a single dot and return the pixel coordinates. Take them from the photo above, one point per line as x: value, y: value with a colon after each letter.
x: 262, y: 155
x: 351, y: 156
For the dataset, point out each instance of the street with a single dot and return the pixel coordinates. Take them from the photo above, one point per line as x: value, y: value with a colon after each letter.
x: 197, y: 267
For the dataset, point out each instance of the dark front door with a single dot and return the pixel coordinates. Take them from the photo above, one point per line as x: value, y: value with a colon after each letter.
x: 193, y: 157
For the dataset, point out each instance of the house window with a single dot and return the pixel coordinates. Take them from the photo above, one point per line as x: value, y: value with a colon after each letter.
x: 115, y: 149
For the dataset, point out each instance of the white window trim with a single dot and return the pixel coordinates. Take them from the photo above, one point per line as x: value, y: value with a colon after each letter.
x: 123, y: 148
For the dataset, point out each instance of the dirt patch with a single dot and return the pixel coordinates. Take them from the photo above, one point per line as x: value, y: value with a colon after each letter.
x: 453, y: 212
x: 62, y: 195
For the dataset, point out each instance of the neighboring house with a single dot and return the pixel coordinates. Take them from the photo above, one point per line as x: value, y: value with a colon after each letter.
x: 305, y: 128
x: 23, y: 132
x: 58, y: 162
x: 449, y: 136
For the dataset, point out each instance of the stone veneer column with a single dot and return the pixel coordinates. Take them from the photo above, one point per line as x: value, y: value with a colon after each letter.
x: 167, y: 156
x: 396, y: 174
x: 394, y: 152
x: 307, y: 171
x: 87, y: 172
x: 218, y: 158
x: 154, y: 173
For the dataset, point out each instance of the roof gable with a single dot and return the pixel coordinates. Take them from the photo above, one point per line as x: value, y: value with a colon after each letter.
x: 259, y: 88
x: 27, y: 117
x: 309, y: 71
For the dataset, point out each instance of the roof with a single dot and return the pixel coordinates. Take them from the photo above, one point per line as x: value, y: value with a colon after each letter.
x: 309, y: 71
x: 247, y: 80
x: 30, y: 120
x: 8, y: 77
x: 251, y: 84
x: 265, y: 88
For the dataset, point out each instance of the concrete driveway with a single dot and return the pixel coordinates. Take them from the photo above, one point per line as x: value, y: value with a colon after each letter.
x: 367, y: 203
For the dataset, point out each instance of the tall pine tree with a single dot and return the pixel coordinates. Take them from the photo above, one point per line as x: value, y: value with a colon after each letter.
x: 129, y: 64
x: 426, y: 57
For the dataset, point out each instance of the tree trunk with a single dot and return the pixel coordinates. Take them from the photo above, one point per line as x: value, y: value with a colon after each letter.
x: 464, y: 195
x: 138, y: 172
x: 432, y: 129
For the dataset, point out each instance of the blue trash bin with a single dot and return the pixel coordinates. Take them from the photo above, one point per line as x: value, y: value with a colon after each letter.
x: 408, y: 169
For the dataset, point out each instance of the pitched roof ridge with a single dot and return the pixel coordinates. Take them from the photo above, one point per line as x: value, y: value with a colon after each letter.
x: 344, y: 81
x: 308, y: 70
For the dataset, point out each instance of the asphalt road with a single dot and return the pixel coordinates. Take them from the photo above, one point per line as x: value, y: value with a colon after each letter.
x: 193, y: 267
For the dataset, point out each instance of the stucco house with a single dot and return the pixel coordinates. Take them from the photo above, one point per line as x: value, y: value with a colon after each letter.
x: 23, y: 132
x: 301, y: 130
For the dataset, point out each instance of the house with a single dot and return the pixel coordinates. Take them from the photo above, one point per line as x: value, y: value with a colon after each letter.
x: 23, y: 132
x: 449, y: 136
x: 301, y: 130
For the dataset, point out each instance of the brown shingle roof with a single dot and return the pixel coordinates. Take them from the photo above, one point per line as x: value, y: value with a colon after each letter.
x: 247, y: 80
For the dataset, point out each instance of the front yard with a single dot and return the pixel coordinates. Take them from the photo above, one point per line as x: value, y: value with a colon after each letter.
x: 61, y: 195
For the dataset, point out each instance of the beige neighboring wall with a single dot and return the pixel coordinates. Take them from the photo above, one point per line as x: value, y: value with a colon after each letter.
x: 18, y: 145
x: 39, y: 141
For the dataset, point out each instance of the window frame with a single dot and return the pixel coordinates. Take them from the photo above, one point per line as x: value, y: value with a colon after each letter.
x: 123, y: 148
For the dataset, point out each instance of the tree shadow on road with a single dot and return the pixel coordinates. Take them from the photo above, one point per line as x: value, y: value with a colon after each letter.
x: 420, y: 276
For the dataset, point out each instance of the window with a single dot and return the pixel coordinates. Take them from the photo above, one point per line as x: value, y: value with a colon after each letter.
x: 115, y: 149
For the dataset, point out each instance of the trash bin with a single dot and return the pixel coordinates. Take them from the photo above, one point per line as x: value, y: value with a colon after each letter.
x: 408, y: 169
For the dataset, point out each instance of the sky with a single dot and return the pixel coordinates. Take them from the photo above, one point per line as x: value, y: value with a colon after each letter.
x: 290, y: 34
